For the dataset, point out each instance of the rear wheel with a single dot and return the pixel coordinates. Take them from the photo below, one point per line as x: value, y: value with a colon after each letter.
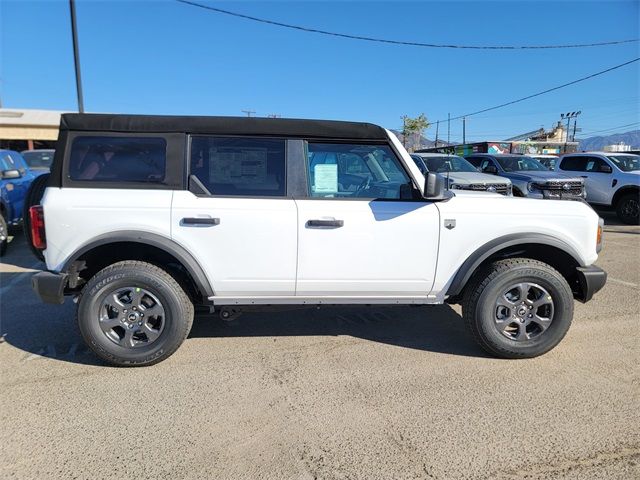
x: 518, y: 308
x: 628, y: 208
x: 134, y: 314
x: 34, y: 197
x: 4, y: 236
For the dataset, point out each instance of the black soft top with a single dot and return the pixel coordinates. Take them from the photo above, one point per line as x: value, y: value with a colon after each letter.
x: 276, y: 127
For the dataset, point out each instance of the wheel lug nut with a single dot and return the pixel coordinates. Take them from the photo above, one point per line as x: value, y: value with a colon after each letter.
x: 131, y: 325
x: 139, y: 324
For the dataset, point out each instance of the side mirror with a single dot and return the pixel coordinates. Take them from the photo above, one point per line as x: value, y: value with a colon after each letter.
x: 604, y: 168
x: 434, y: 188
x: 10, y: 174
x: 491, y: 169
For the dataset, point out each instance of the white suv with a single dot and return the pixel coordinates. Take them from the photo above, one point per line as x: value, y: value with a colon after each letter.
x: 145, y: 217
x: 611, y: 180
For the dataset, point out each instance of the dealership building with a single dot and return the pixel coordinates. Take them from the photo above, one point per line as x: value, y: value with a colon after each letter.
x: 23, y: 129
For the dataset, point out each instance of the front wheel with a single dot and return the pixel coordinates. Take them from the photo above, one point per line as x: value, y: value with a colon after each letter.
x: 628, y: 209
x: 518, y: 308
x: 134, y: 314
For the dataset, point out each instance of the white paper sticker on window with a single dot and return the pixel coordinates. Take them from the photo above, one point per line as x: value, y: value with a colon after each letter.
x: 325, y: 178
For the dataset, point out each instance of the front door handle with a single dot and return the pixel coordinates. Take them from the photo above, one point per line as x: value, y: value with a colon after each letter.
x: 584, y: 176
x: 325, y: 223
x: 199, y: 222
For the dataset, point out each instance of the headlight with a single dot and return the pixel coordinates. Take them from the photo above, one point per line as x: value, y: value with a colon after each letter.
x: 510, y: 189
x: 599, y: 235
x: 530, y: 187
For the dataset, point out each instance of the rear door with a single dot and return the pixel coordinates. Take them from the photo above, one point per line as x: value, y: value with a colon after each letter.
x: 360, y: 234
x: 237, y: 219
x: 597, y: 182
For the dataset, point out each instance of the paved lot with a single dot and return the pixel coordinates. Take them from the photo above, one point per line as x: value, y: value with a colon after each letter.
x: 333, y: 393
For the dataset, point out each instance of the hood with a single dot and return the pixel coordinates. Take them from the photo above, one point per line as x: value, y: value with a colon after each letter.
x: 476, y: 194
x: 468, y: 178
x: 539, y: 176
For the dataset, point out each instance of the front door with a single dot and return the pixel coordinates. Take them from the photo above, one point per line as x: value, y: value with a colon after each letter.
x: 596, y: 181
x: 357, y: 236
x: 237, y: 220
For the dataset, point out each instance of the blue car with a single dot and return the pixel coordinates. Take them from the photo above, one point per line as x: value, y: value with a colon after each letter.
x: 15, y: 179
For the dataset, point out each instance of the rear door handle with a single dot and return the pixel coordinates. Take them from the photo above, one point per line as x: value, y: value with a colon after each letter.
x: 584, y: 176
x: 325, y: 223
x: 199, y: 222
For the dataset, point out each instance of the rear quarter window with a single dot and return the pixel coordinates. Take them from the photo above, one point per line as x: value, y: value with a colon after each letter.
x: 118, y: 159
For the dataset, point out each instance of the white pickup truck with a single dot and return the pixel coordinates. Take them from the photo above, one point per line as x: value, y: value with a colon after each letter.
x: 145, y: 217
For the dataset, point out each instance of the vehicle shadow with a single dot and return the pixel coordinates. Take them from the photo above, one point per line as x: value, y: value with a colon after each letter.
x: 431, y: 328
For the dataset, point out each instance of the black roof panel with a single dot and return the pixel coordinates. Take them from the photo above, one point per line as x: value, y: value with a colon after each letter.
x: 285, y: 127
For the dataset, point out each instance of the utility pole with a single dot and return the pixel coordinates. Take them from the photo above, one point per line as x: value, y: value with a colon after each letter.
x: 76, y: 55
x: 248, y: 112
x: 437, y: 129
x: 569, y: 116
x: 464, y: 130
x: 448, y: 128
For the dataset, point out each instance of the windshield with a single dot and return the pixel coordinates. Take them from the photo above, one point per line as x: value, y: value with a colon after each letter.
x: 448, y: 164
x: 626, y: 163
x: 37, y: 159
x: 515, y: 163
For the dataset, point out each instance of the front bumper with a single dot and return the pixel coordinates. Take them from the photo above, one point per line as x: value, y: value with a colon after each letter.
x: 50, y: 286
x: 590, y: 279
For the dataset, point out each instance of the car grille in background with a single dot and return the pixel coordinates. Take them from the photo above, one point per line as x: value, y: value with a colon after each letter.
x: 561, y: 188
x: 501, y: 188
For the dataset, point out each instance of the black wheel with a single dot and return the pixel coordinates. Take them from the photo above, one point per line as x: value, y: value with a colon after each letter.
x: 518, y: 308
x: 33, y: 197
x: 628, y: 208
x: 4, y: 236
x: 134, y: 314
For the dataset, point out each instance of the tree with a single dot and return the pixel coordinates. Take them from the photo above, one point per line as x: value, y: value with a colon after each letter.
x: 413, y: 127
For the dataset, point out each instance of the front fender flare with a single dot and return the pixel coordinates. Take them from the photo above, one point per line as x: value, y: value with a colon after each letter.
x: 470, y: 265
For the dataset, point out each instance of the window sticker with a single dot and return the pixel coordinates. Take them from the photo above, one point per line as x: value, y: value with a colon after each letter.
x: 325, y: 178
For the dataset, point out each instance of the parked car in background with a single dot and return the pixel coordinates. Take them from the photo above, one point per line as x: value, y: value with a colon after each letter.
x: 611, y: 179
x: 15, y: 178
x: 548, y: 161
x: 529, y: 177
x: 462, y: 175
x: 39, y: 161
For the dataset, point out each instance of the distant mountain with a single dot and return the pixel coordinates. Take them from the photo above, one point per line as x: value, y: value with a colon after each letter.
x: 598, y: 143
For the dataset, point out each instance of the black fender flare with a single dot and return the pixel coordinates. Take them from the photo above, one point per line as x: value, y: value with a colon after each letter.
x: 155, y: 240
x: 470, y: 265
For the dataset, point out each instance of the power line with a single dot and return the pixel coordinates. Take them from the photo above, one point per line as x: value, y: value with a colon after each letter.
x: 399, y: 42
x: 546, y: 91
x: 591, y: 132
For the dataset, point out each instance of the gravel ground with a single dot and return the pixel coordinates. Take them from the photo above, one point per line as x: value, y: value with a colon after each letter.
x: 331, y: 393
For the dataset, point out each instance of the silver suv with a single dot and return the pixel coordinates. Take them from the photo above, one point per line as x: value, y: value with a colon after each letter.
x: 611, y: 180
x: 462, y: 175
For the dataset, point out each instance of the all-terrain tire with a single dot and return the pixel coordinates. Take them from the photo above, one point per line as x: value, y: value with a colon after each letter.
x: 479, y: 307
x: 4, y: 234
x: 177, y: 318
x: 33, y: 197
x: 628, y: 208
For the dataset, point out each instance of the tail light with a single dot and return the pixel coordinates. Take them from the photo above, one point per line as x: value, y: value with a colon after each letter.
x: 599, y: 235
x: 38, y: 238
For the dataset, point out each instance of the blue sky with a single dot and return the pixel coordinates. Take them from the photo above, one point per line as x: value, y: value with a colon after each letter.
x: 166, y: 57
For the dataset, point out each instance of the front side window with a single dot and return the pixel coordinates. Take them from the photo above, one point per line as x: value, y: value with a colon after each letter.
x: 337, y: 170
x: 118, y: 159
x: 626, y: 163
x: 237, y: 166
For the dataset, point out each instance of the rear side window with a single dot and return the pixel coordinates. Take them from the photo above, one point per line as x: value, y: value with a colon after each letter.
x: 575, y: 164
x: 118, y: 159
x: 237, y: 166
